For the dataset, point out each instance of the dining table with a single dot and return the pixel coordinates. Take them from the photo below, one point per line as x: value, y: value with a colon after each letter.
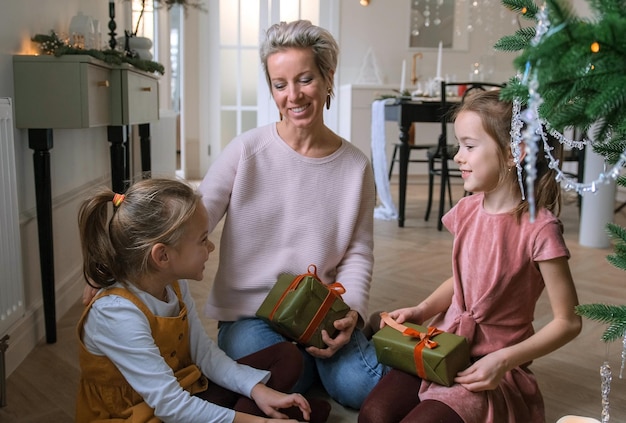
x: 406, y: 111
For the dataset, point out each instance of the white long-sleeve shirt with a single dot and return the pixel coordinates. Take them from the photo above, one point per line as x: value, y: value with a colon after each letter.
x: 115, y: 327
x: 285, y: 211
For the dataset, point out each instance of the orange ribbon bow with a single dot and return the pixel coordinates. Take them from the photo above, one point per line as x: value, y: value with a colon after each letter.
x: 424, y: 340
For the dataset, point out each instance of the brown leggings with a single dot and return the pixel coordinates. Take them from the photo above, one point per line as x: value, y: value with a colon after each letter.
x: 284, y: 361
x: 394, y: 399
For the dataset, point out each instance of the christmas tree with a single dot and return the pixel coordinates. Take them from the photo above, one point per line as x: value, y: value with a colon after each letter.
x: 578, y: 66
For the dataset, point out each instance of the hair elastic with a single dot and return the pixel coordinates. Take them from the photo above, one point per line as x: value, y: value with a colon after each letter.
x: 117, y: 199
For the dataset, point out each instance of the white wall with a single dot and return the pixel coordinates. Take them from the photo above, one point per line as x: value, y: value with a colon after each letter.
x: 79, y: 161
x: 384, y: 27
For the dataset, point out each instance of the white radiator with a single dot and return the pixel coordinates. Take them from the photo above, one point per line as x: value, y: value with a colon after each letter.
x: 11, y: 278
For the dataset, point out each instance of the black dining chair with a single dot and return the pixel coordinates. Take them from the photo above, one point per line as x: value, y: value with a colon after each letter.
x: 439, y: 157
x: 412, y: 147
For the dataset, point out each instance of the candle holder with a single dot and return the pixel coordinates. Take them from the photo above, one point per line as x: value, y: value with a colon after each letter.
x: 112, y: 26
x: 415, y: 74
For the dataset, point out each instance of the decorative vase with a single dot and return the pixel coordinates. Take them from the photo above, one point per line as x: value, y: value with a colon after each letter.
x: 138, y: 45
x: 141, y: 46
x: 81, y: 31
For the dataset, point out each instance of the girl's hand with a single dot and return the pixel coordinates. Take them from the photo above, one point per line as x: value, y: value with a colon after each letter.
x: 345, y: 327
x: 270, y: 401
x: 407, y: 314
x: 485, y: 374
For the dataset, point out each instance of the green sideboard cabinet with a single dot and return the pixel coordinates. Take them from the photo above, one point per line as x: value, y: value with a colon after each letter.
x: 137, y: 99
x: 68, y: 92
x: 74, y: 92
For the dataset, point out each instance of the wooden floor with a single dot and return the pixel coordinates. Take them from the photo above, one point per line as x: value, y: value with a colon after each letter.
x: 410, y: 263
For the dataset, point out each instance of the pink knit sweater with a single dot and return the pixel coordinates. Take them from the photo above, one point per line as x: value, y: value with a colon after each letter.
x: 284, y: 212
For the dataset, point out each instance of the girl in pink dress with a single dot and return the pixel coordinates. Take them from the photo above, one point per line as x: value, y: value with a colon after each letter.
x: 501, y: 263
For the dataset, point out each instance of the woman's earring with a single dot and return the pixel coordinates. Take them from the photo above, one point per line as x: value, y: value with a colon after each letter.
x: 280, y: 115
x: 328, y: 100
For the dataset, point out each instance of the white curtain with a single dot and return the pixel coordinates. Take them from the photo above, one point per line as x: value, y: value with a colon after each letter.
x: 386, y: 210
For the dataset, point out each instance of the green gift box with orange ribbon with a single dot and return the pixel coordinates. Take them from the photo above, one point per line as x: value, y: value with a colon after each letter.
x: 429, y: 353
x: 301, y: 306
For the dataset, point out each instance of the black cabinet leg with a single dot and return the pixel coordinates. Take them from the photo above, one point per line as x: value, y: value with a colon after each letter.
x: 40, y: 140
x: 116, y: 136
x: 144, y: 136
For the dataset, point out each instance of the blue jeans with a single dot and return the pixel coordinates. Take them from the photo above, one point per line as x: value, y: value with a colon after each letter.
x: 348, y: 376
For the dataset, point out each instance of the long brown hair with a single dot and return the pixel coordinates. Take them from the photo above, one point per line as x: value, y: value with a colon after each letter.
x: 496, y: 115
x: 118, y: 249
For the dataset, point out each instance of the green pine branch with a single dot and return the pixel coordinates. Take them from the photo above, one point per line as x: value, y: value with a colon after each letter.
x: 562, y: 12
x: 611, y: 150
x: 578, y: 84
x: 519, y: 41
x: 527, y: 9
x: 602, y: 7
x: 579, y: 64
x: 614, y: 316
x: 617, y: 234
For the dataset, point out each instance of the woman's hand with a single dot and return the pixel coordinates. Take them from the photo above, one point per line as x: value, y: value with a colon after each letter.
x: 485, y: 374
x: 271, y: 401
x: 345, y: 327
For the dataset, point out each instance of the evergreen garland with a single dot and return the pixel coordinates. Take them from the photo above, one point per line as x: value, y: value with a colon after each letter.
x: 580, y: 65
x: 52, y: 45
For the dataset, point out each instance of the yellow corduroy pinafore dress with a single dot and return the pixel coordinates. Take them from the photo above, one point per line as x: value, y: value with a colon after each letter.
x: 105, y: 396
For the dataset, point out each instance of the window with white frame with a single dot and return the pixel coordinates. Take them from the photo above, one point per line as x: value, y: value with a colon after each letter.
x: 241, y: 26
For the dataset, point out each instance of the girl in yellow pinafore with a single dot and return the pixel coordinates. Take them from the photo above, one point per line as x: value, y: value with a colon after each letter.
x: 144, y: 354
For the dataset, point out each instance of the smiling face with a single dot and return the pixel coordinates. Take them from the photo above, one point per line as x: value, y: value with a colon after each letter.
x: 298, y: 87
x: 192, y: 250
x: 478, y: 156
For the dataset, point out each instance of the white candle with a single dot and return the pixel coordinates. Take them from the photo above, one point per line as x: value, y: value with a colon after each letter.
x: 403, y: 77
x: 439, y: 61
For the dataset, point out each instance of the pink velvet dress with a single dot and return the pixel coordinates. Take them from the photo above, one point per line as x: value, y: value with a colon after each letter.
x: 496, y: 285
